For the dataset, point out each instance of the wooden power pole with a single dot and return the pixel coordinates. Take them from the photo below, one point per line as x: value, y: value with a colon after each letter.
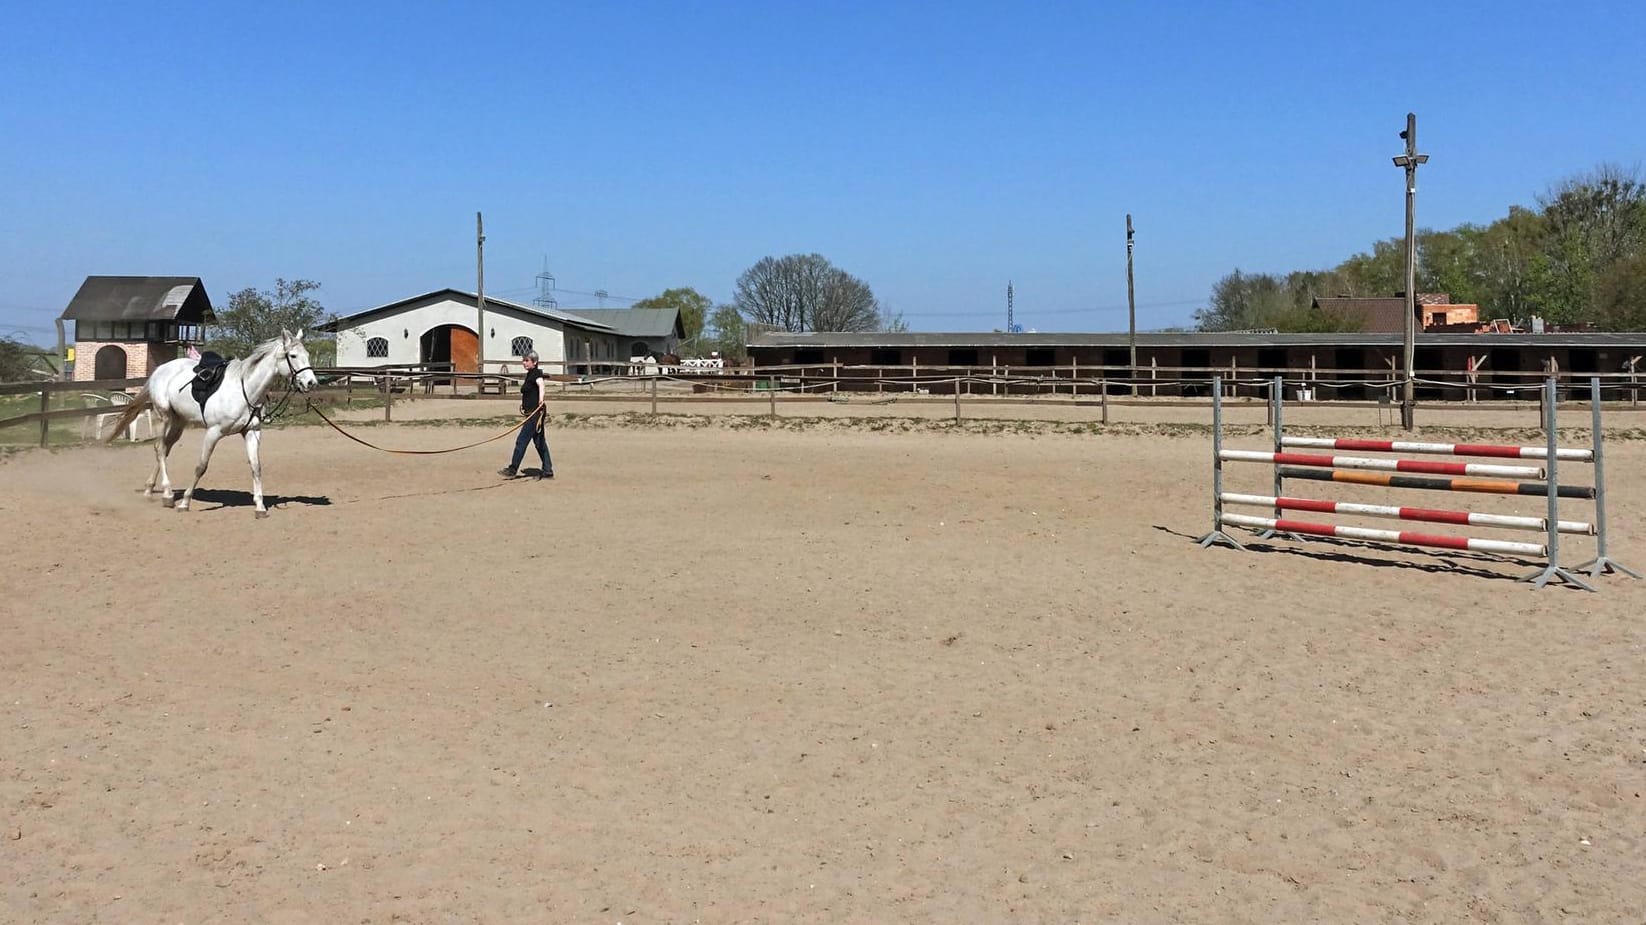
x: 1409, y: 161
x: 480, y: 274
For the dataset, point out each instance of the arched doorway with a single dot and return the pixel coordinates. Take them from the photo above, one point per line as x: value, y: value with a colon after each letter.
x: 454, y: 344
x: 110, y: 363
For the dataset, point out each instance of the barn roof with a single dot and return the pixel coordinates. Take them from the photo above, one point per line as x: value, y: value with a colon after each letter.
x: 470, y: 298
x: 141, y: 298
x: 637, y: 322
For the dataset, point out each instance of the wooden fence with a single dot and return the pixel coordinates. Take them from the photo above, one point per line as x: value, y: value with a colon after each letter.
x: 1098, y: 386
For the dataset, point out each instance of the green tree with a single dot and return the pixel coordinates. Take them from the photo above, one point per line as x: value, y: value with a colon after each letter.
x: 1514, y: 270
x: 1243, y: 301
x: 1594, y: 221
x: 693, y: 306
x: 804, y: 292
x: 1379, y: 273
x: 1620, y: 296
x: 254, y: 316
x: 16, y: 360
x: 1452, y: 262
x: 727, y: 333
x: 1260, y: 301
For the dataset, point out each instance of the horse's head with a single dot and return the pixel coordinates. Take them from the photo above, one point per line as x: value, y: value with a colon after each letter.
x: 295, y: 363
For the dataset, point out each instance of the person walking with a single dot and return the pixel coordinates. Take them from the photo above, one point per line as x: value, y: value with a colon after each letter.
x: 531, y: 432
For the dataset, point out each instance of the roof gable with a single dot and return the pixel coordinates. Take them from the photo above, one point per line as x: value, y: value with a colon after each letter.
x: 141, y: 298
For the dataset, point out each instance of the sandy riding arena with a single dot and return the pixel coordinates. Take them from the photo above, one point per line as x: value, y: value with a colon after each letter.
x: 828, y: 673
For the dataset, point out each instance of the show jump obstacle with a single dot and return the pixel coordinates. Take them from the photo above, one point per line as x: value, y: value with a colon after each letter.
x: 1468, y: 477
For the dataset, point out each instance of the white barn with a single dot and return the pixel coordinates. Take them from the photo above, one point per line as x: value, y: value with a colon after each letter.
x: 440, y: 327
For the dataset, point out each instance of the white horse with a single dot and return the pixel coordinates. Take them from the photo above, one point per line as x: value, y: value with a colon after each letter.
x: 235, y: 408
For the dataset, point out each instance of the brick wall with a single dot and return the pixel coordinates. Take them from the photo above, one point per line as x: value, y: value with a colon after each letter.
x: 141, y: 357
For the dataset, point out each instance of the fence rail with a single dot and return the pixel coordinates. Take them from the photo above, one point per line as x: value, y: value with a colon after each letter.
x: 1074, y: 385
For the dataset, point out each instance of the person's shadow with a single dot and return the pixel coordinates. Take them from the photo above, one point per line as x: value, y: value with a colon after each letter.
x: 226, y: 497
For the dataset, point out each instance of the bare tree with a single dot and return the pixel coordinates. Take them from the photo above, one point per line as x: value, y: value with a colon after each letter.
x: 804, y: 292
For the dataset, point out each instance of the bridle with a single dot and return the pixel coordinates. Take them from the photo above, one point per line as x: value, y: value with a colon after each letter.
x: 260, y: 416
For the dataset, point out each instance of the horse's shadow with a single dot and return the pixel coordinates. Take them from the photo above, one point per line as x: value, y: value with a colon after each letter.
x: 228, y: 497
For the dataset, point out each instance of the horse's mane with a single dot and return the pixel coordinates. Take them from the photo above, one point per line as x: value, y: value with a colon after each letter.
x: 262, y: 350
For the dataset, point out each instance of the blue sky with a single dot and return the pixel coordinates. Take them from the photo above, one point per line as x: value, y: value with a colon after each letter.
x: 934, y: 150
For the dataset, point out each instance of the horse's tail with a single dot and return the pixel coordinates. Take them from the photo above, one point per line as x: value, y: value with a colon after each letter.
x: 137, y: 406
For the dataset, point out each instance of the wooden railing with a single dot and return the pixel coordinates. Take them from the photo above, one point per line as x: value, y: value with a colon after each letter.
x: 1186, y: 385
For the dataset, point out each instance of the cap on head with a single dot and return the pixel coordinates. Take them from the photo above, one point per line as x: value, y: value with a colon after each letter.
x: 531, y: 355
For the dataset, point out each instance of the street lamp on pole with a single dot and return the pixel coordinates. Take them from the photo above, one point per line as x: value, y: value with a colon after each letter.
x: 1409, y: 162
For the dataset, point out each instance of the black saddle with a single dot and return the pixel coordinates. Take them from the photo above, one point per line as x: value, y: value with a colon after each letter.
x: 208, y: 375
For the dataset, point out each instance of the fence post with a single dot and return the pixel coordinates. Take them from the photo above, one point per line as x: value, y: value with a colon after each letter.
x: 388, y: 398
x: 45, y: 406
x: 1551, y: 492
x: 1217, y: 535
x: 1103, y: 397
x: 1602, y: 562
x: 654, y: 396
x: 771, y: 394
x: 957, y: 399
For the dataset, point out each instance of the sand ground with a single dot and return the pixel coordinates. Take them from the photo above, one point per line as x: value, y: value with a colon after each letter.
x: 799, y: 674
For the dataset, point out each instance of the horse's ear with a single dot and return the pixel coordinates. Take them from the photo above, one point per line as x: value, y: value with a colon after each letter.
x: 285, y: 334
x: 299, y: 336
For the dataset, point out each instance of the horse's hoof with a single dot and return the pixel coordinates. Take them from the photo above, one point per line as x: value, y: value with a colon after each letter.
x: 262, y: 514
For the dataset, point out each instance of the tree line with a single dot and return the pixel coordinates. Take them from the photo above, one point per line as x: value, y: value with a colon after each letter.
x: 1578, y: 258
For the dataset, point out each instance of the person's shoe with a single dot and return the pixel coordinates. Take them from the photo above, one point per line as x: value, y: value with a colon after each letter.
x: 508, y: 472
x: 547, y: 474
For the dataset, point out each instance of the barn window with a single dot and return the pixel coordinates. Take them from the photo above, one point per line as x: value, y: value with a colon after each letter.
x: 886, y: 356
x: 804, y: 355
x: 963, y: 356
x: 520, y: 346
x: 377, y: 347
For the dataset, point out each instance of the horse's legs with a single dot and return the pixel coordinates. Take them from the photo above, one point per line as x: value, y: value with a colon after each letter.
x: 213, y: 434
x: 172, y: 429
x: 253, y: 437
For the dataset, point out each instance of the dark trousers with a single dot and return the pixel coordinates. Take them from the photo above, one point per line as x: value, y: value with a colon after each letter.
x: 531, y: 432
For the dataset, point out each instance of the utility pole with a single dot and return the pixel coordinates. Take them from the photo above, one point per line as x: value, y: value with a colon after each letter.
x: 1409, y: 162
x: 1131, y: 305
x: 480, y: 302
x: 1009, y: 306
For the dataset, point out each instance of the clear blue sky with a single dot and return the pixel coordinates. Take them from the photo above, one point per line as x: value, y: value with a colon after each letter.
x: 933, y: 150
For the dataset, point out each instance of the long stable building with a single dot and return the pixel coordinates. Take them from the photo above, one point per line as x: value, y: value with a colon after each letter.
x: 1499, y: 359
